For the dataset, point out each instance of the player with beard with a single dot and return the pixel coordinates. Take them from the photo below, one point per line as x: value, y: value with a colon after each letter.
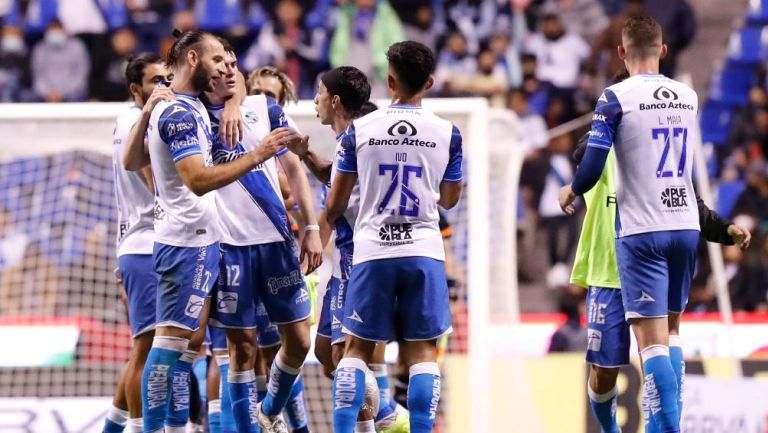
x: 259, y: 263
x: 186, y: 253
x: 134, y: 195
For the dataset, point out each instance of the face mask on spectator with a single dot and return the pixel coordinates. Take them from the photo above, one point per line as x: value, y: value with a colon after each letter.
x: 12, y: 44
x: 55, y: 37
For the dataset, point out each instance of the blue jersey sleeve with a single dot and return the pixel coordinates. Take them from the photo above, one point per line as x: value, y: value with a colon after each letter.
x: 276, y: 115
x: 605, y: 122
x: 347, y: 158
x: 453, y: 169
x: 178, y: 130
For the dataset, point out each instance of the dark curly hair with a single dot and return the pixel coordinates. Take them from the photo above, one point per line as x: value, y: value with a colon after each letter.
x: 412, y: 63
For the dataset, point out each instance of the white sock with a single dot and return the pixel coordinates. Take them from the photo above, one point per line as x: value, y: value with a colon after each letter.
x: 136, y: 425
x: 117, y: 415
x: 214, y: 406
x: 365, y: 427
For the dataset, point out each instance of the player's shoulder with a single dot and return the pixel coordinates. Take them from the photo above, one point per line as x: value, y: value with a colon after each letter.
x: 125, y: 120
x: 255, y: 102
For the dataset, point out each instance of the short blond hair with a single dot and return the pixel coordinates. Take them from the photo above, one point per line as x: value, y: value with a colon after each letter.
x: 289, y: 89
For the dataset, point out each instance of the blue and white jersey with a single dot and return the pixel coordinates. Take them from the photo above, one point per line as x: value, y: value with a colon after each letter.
x: 177, y: 130
x: 251, y: 209
x: 401, y: 155
x: 651, y: 120
x: 135, y: 203
x: 343, y: 236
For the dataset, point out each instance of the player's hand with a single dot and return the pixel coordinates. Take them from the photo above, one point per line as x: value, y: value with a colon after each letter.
x: 566, y: 198
x: 300, y: 147
x: 312, y: 250
x: 740, y: 235
x: 274, y: 142
x: 159, y: 94
x: 231, y: 125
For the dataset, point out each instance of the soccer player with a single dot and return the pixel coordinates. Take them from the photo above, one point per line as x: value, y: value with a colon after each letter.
x: 596, y: 270
x: 648, y: 118
x: 186, y: 253
x: 135, y: 209
x: 259, y: 263
x: 408, y: 161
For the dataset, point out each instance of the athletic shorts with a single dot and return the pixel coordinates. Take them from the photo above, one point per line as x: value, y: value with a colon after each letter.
x: 656, y: 270
x: 269, y: 272
x: 332, y: 311
x: 140, y: 284
x: 607, y: 330
x: 413, y: 288
x: 186, y: 275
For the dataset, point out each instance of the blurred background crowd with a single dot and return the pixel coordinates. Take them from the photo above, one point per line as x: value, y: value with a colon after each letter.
x: 545, y: 60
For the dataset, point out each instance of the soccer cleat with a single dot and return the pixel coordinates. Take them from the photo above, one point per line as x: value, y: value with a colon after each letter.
x: 400, y: 424
x: 271, y: 424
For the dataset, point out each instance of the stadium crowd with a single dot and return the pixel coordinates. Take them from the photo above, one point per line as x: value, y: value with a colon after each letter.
x: 546, y: 60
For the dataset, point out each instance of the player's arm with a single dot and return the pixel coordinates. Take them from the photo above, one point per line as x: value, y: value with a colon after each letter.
x: 136, y: 155
x: 344, y: 182
x: 148, y: 179
x: 715, y: 228
x: 605, y: 121
x: 285, y: 190
x: 319, y: 167
x: 451, y: 185
x: 311, y: 247
x: 231, y: 122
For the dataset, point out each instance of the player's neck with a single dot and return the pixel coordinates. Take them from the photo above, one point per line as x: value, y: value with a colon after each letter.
x: 184, y: 86
x: 340, y: 124
x: 642, y: 66
x: 414, y: 100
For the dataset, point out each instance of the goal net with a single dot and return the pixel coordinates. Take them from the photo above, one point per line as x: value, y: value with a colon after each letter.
x: 62, y: 323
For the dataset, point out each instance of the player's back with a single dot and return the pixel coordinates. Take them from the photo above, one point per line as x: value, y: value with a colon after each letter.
x: 134, y: 200
x: 402, y: 154
x: 177, y: 130
x: 251, y: 209
x: 656, y: 120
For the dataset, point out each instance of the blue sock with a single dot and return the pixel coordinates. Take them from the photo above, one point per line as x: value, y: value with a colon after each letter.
x: 423, y: 396
x: 200, y: 370
x: 261, y: 388
x: 648, y: 421
x: 155, y: 380
x: 678, y: 364
x: 297, y: 408
x: 242, y: 390
x: 227, y: 418
x: 661, y: 388
x: 604, y: 409
x: 348, y: 394
x: 180, y: 391
x: 386, y: 408
x: 281, y: 380
x: 214, y: 416
x: 116, y: 420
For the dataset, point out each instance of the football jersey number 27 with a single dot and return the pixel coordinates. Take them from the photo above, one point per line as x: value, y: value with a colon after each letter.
x: 406, y: 195
x: 677, y: 137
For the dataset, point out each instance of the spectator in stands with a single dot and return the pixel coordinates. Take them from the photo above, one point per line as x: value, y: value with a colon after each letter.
x: 287, y: 45
x: 151, y: 22
x: 475, y: 19
x: 454, y: 63
x: 538, y: 92
x: 85, y: 20
x: 746, y: 284
x: 112, y: 86
x: 489, y: 80
x: 60, y: 66
x: 572, y: 336
x: 678, y: 24
x: 508, y: 45
x: 364, y: 31
x: 750, y: 124
x: 753, y: 201
x: 184, y: 21
x: 33, y: 17
x: 560, y: 55
x: 531, y: 126
x: 585, y: 18
x: 421, y: 27
x: 605, y: 43
x: 15, y: 78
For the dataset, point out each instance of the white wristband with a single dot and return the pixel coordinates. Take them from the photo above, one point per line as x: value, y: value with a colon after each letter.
x: 311, y: 227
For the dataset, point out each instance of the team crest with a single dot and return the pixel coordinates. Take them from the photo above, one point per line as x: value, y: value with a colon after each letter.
x: 251, y: 118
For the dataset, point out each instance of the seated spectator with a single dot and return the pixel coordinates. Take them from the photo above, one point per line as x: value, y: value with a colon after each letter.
x: 488, y: 81
x: 453, y: 63
x: 421, y: 28
x: 508, y: 46
x: 560, y: 55
x: 746, y: 284
x: 14, y: 66
x: 33, y: 17
x: 60, y: 66
x: 532, y: 128
x: 151, y: 22
x: 585, y: 18
x: 364, y: 31
x: 748, y: 125
x: 605, y: 43
x: 475, y: 19
x: 753, y: 201
x: 538, y: 92
x: 87, y: 22
x: 286, y: 44
x: 184, y: 21
x: 112, y: 86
